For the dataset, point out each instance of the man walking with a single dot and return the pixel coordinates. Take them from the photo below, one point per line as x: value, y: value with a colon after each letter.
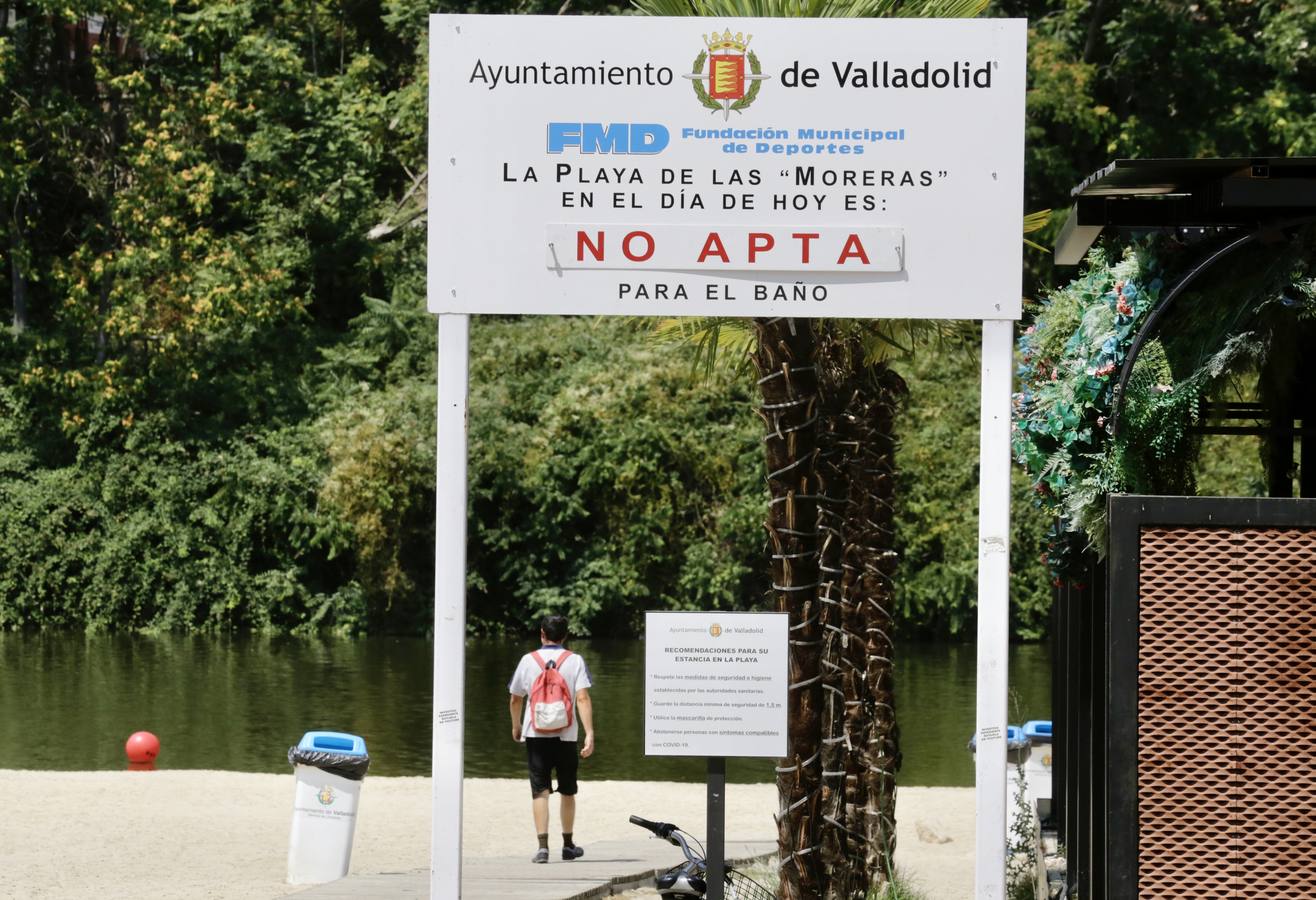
x: 553, y: 748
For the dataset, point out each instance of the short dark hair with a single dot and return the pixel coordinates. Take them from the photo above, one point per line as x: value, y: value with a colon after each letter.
x: 554, y: 627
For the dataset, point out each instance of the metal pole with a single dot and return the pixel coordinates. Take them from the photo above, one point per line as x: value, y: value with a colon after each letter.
x: 449, y: 611
x: 716, y: 831
x: 993, y: 606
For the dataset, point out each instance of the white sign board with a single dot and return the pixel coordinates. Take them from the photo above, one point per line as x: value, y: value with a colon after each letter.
x: 753, y: 167
x: 715, y: 683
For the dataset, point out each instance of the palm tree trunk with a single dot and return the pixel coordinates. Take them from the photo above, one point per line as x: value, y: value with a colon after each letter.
x: 831, y: 464
x: 870, y: 562
x: 789, y: 392
x: 860, y: 743
x: 842, y: 664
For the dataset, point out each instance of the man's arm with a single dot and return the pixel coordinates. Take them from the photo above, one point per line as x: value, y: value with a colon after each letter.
x: 516, y: 705
x: 585, y: 710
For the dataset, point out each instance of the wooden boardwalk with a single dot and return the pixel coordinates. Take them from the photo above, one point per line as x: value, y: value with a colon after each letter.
x: 607, y: 868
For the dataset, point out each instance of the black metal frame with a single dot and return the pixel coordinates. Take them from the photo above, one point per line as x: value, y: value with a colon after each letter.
x: 1077, y: 712
x: 1152, y: 323
x: 1116, y: 802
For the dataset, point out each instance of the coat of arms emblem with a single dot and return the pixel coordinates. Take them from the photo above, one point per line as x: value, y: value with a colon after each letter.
x: 729, y: 88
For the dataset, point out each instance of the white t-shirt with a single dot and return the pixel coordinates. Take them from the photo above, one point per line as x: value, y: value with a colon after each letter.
x: 574, y: 672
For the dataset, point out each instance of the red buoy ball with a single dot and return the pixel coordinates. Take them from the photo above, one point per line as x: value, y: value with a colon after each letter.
x: 142, y: 747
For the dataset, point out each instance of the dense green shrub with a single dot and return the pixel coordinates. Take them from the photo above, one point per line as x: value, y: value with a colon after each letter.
x: 938, y: 508
x: 606, y: 479
x: 169, y: 538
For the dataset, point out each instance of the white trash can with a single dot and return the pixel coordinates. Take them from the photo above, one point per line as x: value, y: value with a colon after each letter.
x: 1038, y: 766
x: 329, y: 767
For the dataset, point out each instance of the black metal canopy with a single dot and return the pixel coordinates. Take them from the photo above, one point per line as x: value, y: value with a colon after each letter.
x: 1186, y: 193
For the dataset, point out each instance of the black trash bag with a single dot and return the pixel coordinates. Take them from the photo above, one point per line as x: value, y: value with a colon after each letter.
x: 345, y: 765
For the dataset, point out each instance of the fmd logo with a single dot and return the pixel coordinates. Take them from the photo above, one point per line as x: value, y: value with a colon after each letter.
x: 614, y: 137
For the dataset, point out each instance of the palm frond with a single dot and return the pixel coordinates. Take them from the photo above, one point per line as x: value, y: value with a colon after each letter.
x: 717, y: 341
x: 943, y: 9
x: 814, y: 9
x: 1036, y: 221
x: 885, y: 340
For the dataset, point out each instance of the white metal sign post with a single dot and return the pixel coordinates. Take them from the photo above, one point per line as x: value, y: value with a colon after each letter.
x: 765, y: 167
x: 449, y: 609
x: 993, y: 607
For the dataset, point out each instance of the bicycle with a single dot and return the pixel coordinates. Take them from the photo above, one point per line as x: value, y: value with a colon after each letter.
x: 690, y: 878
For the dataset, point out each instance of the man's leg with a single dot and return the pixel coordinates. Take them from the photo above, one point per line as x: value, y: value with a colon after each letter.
x: 540, y: 763
x: 567, y: 761
x: 541, y: 812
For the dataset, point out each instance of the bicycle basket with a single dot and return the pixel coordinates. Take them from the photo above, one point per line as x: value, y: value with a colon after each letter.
x: 740, y: 886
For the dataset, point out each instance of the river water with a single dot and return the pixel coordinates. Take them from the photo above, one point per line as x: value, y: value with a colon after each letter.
x: 70, y: 701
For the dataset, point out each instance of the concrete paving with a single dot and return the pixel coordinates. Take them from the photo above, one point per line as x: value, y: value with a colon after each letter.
x: 607, y: 868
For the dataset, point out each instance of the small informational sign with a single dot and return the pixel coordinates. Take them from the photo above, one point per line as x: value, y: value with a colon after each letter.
x: 741, y: 167
x: 715, y: 684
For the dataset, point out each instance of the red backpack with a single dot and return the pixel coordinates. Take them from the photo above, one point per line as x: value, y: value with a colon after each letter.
x: 550, y: 697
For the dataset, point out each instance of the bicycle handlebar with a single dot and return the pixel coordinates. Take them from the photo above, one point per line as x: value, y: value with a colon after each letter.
x: 695, y: 866
x: 670, y: 833
x: 661, y: 829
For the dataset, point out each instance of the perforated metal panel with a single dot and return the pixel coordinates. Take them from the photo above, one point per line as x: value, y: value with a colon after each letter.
x: 1226, y: 758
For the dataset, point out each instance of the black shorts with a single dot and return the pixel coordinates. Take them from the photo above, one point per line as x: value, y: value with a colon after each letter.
x: 546, y: 755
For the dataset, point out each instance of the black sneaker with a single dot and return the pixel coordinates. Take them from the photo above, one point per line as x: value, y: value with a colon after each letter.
x: 541, y: 855
x: 573, y: 852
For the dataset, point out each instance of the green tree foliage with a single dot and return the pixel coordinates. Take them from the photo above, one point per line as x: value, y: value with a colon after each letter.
x: 1182, y: 78
x: 200, y: 200
x: 216, y: 383
x: 187, y: 190
x: 937, y: 523
x: 1117, y: 79
x: 605, y: 479
x: 167, y: 537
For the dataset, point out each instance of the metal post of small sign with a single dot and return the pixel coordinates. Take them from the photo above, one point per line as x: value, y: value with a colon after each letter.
x: 715, y: 850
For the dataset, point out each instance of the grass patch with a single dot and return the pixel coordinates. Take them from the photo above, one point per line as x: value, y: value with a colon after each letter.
x: 898, y: 889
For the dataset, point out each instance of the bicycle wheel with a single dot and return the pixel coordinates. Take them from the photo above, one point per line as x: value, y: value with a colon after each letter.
x: 740, y: 886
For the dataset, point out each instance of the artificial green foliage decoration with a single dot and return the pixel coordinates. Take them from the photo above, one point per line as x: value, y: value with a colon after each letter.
x: 1071, y: 355
x: 1070, y: 358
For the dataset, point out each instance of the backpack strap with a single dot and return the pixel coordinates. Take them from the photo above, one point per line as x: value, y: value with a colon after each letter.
x: 555, y: 663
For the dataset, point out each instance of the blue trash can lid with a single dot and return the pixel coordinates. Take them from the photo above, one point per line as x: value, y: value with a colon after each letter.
x: 1014, y: 739
x: 1038, y: 731
x: 333, y: 742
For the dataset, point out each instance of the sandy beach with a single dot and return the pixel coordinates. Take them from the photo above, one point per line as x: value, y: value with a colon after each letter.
x: 202, y: 834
